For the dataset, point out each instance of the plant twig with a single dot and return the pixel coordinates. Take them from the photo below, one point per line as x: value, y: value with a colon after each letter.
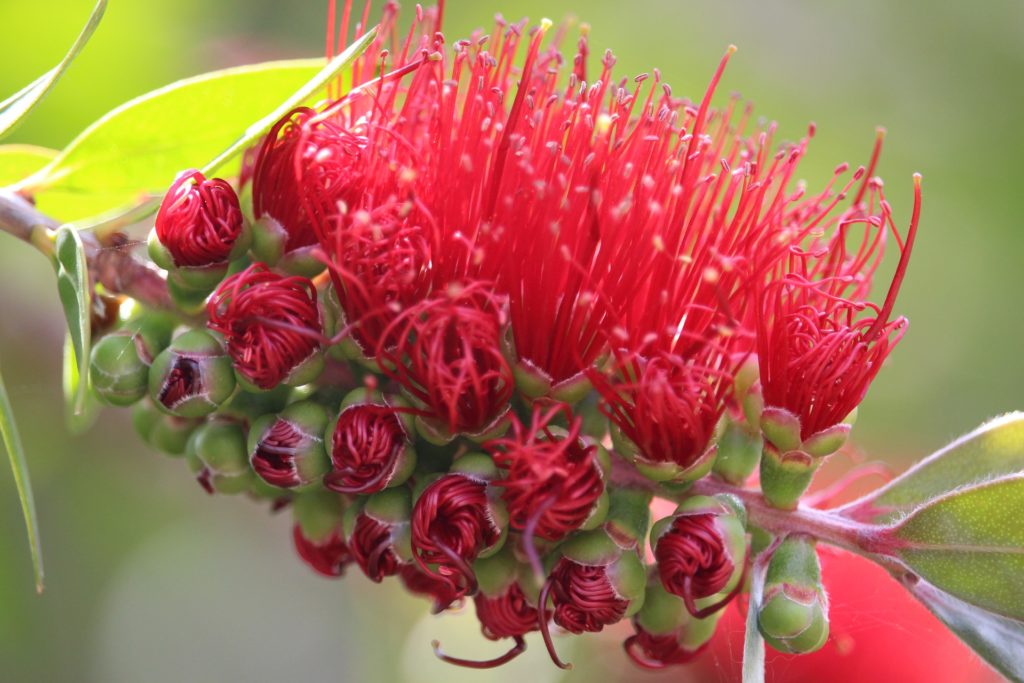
x: 111, y: 262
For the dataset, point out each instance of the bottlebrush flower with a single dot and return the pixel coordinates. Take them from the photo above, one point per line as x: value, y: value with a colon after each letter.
x: 370, y: 447
x: 820, y: 344
x: 448, y: 358
x: 271, y: 324
x: 553, y: 481
x: 666, y: 407
x: 454, y: 522
x: 199, y: 222
x: 700, y: 551
x: 327, y: 556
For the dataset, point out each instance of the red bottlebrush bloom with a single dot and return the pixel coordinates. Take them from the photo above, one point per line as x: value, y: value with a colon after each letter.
x: 442, y: 591
x: 271, y: 323
x: 819, y: 343
x: 656, y: 652
x: 327, y: 557
x: 584, y: 598
x: 448, y: 357
x: 366, y: 446
x: 372, y: 544
x: 452, y: 524
x: 667, y: 405
x: 552, y: 482
x: 199, y: 220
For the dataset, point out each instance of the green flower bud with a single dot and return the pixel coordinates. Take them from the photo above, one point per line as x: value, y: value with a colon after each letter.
x: 119, y: 369
x: 166, y: 433
x: 192, y: 377
x: 739, y: 451
x: 793, y: 616
x: 666, y: 633
x: 785, y: 476
x: 217, y: 456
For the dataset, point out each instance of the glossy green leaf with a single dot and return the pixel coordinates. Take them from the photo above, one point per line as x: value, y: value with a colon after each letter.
x: 73, y: 287
x: 970, y: 543
x: 131, y: 154
x: 998, y: 640
x: 18, y: 162
x: 14, y: 109
x: 78, y: 421
x: 16, y: 453
x: 993, y: 450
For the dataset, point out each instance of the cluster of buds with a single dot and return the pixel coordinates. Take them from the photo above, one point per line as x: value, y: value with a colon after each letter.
x: 483, y: 305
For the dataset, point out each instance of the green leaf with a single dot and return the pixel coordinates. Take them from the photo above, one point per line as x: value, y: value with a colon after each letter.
x: 18, y: 162
x: 970, y: 543
x: 16, y: 453
x: 73, y: 287
x: 14, y: 109
x: 998, y: 640
x: 993, y: 450
x: 78, y: 421
x: 753, y: 641
x: 136, y: 150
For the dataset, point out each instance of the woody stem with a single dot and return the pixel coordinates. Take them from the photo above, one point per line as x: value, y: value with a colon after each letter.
x: 111, y: 262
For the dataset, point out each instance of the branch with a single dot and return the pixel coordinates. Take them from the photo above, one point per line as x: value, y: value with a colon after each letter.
x: 834, y: 529
x: 111, y: 262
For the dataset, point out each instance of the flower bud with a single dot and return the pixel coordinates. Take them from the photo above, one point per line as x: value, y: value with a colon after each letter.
x: 166, y: 433
x: 216, y: 455
x: 271, y: 325
x: 594, y: 583
x: 119, y: 368
x: 378, y: 533
x: 701, y: 554
x: 793, y: 616
x: 418, y: 582
x: 458, y: 518
x: 318, y: 535
x: 370, y: 447
x: 287, y: 450
x: 666, y: 633
x: 739, y: 451
x: 192, y: 377
x: 199, y: 226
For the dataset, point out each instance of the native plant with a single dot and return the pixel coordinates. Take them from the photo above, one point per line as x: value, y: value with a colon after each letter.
x: 467, y: 307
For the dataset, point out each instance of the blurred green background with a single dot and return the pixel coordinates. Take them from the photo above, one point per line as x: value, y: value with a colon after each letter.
x: 149, y: 579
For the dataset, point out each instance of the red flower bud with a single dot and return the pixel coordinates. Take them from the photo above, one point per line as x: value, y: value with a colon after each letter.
x: 271, y: 324
x: 452, y: 524
x: 327, y: 556
x: 584, y: 598
x: 287, y: 450
x: 656, y: 652
x: 508, y: 614
x: 372, y: 543
x: 367, y: 445
x: 442, y: 591
x: 448, y: 357
x: 692, y: 557
x: 199, y: 220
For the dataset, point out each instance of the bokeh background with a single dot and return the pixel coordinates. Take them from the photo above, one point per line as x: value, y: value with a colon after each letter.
x: 149, y: 579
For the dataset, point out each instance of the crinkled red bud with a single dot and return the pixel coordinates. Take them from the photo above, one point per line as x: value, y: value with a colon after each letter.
x: 318, y: 535
x: 378, y: 533
x: 369, y: 445
x: 192, y: 377
x: 287, y: 450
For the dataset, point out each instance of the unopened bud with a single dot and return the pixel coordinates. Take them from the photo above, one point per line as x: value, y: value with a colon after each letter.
x: 793, y: 616
x: 192, y: 377
x: 216, y: 455
x: 119, y: 369
x: 287, y: 450
x: 166, y: 433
